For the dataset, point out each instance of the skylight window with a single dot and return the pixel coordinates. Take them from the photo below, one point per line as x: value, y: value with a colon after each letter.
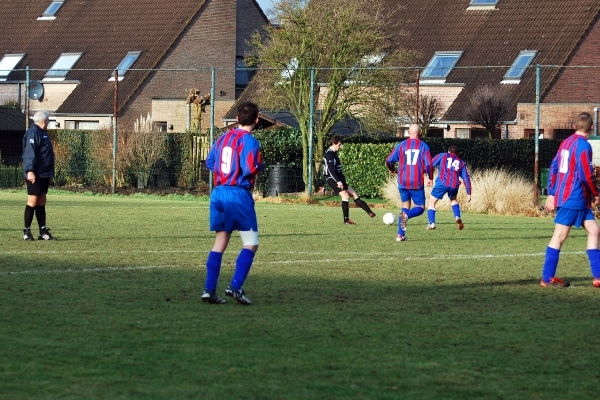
x: 51, y: 11
x: 482, y: 5
x: 8, y: 63
x: 519, y: 66
x: 440, y: 65
x: 62, y: 66
x: 125, y: 64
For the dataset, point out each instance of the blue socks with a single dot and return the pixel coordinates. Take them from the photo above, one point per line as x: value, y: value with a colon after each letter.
x: 594, y: 256
x: 242, y: 267
x: 550, y: 264
x: 431, y: 216
x: 456, y: 210
x: 414, y: 212
x: 213, y: 268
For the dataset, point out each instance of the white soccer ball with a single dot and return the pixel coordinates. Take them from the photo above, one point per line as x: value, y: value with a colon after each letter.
x: 389, y: 218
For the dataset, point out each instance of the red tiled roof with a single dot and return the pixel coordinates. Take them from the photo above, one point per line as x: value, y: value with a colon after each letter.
x: 104, y: 31
x: 491, y: 40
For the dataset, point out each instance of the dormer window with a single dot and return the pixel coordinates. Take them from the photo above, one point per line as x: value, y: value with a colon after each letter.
x: 440, y: 66
x: 290, y: 70
x: 482, y: 5
x: 8, y: 63
x: 519, y: 66
x: 125, y: 64
x: 62, y: 66
x: 51, y: 11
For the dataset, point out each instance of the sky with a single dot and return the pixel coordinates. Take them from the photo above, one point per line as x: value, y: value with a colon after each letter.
x: 265, y: 4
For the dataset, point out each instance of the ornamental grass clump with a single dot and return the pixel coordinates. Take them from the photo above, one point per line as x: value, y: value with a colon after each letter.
x: 494, y: 191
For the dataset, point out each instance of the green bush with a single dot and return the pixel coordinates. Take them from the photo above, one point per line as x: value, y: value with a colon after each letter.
x: 11, y: 176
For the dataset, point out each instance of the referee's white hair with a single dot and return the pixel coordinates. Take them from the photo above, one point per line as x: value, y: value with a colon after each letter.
x: 40, y: 116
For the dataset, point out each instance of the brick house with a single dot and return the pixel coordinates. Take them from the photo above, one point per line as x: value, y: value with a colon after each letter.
x: 463, y: 45
x: 161, y: 50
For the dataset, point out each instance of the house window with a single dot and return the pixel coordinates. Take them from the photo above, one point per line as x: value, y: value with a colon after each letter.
x: 440, y: 65
x: 519, y: 66
x: 125, y: 64
x: 159, y: 126
x: 484, y: 2
x: 89, y: 125
x: 530, y: 133
x: 463, y: 133
x: 561, y: 134
x: 62, y: 66
x: 243, y: 76
x: 435, y: 132
x: 51, y: 11
x: 290, y: 70
x: 365, y: 63
x: 8, y: 63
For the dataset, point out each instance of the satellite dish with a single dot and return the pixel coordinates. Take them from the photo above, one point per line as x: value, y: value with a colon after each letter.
x: 36, y: 90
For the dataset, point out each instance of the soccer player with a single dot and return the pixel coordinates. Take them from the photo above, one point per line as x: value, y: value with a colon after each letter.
x: 572, y: 191
x: 332, y: 169
x: 235, y: 160
x: 414, y: 161
x: 38, y: 169
x: 450, y: 170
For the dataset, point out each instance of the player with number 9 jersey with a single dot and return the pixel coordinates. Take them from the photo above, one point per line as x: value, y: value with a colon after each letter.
x: 235, y: 159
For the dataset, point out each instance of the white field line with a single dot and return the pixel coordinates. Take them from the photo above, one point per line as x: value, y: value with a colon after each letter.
x: 374, y: 256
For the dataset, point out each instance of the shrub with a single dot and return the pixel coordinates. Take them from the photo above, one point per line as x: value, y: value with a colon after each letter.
x: 495, y: 191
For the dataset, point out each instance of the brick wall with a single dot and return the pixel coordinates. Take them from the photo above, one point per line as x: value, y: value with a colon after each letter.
x: 552, y: 116
x: 211, y: 41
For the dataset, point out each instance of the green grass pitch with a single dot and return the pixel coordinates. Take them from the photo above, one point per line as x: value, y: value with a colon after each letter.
x: 112, y: 309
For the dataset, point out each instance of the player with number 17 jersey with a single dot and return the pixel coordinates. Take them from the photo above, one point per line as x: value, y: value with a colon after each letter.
x: 414, y: 160
x: 235, y: 159
x: 569, y: 181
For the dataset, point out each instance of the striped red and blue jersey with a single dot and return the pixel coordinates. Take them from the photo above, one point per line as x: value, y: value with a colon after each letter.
x: 450, y: 169
x: 414, y: 160
x: 235, y: 159
x: 571, y: 175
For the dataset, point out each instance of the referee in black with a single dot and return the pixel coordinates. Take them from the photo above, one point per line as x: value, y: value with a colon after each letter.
x: 332, y: 169
x: 38, y: 169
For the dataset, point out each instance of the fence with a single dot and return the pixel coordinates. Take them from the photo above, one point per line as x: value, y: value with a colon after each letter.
x: 540, y: 103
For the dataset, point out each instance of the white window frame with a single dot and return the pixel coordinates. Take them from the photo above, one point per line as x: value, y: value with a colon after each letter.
x: 125, y: 64
x: 8, y: 64
x: 366, y: 62
x: 512, y: 76
x: 61, y: 67
x: 74, y: 124
x: 427, y: 76
x: 290, y: 70
x: 50, y: 13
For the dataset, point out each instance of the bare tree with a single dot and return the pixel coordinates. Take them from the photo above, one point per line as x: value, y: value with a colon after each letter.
x: 430, y: 111
x: 346, y: 44
x: 488, y: 107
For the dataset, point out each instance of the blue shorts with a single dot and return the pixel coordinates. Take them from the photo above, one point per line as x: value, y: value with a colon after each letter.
x: 440, y: 190
x: 416, y: 195
x: 232, y: 209
x: 570, y: 217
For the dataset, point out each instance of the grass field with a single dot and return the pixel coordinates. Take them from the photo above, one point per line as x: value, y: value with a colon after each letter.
x: 112, y: 309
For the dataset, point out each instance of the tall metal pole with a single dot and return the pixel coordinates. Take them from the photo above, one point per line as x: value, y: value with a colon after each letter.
x: 27, y: 97
x: 115, y: 111
x: 417, y: 97
x: 538, y: 75
x: 310, y: 132
x: 212, y: 121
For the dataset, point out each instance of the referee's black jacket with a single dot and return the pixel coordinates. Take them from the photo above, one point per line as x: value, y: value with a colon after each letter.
x: 38, y: 154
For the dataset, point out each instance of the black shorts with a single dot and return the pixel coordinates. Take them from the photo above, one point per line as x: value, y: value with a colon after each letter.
x: 38, y: 187
x: 334, y: 187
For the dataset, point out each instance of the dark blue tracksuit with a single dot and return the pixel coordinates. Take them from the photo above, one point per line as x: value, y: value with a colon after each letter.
x: 38, y: 154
